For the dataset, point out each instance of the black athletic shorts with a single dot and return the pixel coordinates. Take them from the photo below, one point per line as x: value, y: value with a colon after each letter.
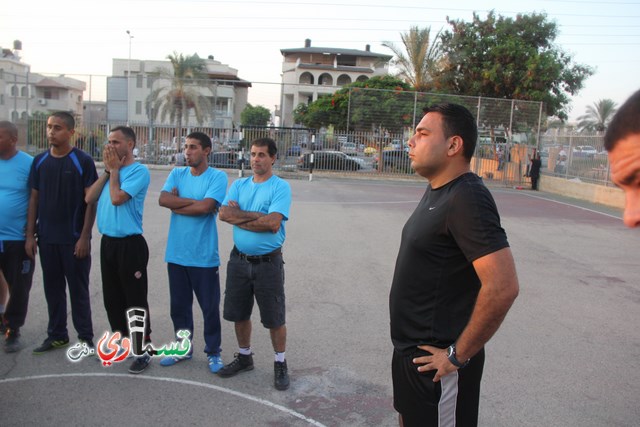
x: 453, y: 401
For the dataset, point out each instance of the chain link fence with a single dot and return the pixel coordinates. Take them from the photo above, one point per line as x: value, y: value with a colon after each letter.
x: 369, y: 137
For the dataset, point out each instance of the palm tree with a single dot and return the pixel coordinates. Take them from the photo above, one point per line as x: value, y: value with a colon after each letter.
x: 188, y: 77
x: 597, y: 116
x: 420, y: 58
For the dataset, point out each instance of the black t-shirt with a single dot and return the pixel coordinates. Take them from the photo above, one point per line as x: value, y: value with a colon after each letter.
x: 61, y: 182
x: 435, y: 286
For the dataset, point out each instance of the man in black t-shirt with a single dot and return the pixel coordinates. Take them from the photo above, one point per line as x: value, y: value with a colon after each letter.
x: 454, y: 280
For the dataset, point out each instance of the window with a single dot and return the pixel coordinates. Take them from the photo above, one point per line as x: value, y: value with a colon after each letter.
x: 14, y: 116
x: 306, y: 78
x: 139, y: 80
x: 14, y: 90
x: 24, y: 115
x: 1, y: 98
x: 24, y: 92
x: 138, y: 107
x: 150, y: 80
x: 347, y: 60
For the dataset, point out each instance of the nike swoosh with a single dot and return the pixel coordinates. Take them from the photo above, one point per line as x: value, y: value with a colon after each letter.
x: 432, y: 207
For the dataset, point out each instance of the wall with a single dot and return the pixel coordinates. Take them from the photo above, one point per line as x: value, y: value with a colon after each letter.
x: 609, y: 196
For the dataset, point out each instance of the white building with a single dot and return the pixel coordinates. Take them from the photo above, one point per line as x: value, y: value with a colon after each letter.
x: 23, y: 93
x: 310, y: 72
x: 227, y: 91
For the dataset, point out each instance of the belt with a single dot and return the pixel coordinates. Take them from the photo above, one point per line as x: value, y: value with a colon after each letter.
x: 255, y: 259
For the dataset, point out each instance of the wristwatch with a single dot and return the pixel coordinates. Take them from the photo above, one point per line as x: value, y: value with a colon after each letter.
x: 451, y: 355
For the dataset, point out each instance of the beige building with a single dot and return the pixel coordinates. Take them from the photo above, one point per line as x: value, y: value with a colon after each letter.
x: 227, y: 92
x: 23, y: 93
x: 310, y: 72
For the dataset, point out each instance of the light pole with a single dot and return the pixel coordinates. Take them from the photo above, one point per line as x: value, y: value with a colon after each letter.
x: 129, y: 78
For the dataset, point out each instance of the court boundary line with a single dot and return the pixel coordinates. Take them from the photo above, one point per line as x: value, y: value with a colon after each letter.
x: 174, y: 380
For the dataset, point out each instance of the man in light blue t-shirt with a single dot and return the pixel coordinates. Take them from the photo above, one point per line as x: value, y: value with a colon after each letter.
x: 193, y: 194
x: 124, y: 253
x: 258, y: 208
x: 15, y: 263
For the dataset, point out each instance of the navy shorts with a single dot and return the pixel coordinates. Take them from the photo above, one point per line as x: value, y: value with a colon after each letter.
x: 262, y: 278
x: 454, y: 400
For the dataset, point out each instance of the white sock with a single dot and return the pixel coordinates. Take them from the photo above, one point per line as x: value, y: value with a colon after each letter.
x: 245, y: 351
x: 280, y: 357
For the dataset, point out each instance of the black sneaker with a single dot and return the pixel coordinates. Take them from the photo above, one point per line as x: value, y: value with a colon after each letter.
x: 51, y: 344
x: 240, y: 363
x: 140, y: 364
x: 12, y: 342
x: 281, y: 375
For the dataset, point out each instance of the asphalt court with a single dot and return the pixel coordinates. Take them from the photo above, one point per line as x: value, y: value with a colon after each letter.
x: 567, y: 353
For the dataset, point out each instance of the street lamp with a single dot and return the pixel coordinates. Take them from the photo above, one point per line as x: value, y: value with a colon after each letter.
x: 129, y: 77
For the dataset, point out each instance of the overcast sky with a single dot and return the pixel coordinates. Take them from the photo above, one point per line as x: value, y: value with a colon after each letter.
x: 80, y: 37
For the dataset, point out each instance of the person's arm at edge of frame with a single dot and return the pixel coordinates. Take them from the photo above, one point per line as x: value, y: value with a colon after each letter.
x: 30, y: 245
x: 499, y: 289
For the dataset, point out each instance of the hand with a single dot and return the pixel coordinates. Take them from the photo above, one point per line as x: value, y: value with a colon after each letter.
x: 82, y: 248
x: 31, y: 247
x: 111, y: 159
x: 437, y: 361
x: 233, y: 204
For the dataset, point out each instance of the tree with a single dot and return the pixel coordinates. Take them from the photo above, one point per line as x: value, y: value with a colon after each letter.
x: 597, y: 116
x: 510, y: 58
x: 383, y: 101
x: 420, y: 59
x: 255, y: 116
x: 185, y: 93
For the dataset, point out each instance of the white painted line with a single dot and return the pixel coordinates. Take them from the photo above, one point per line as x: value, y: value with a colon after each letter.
x: 569, y: 204
x: 175, y: 380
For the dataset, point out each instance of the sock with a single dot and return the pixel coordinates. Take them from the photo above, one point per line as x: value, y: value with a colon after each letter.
x: 245, y: 351
x: 280, y: 356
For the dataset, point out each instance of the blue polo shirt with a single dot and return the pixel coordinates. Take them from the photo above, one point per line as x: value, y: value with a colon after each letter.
x: 61, y: 184
x: 193, y: 240
x: 126, y: 219
x: 14, y: 195
x: 273, y: 195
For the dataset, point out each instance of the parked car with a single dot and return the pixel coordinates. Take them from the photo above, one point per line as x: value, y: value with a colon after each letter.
x: 393, y: 160
x: 348, y: 147
x: 585, y: 151
x: 226, y: 159
x: 330, y: 160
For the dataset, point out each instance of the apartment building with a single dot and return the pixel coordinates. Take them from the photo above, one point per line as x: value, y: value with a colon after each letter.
x: 23, y: 93
x: 310, y: 72
x: 127, y: 98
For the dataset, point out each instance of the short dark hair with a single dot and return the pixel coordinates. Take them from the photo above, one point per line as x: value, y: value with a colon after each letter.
x: 10, y: 127
x: 127, y: 132
x: 266, y: 142
x: 457, y: 120
x: 203, y: 139
x: 625, y: 122
x: 66, y: 117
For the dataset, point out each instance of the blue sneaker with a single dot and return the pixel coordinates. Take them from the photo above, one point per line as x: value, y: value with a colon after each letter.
x: 172, y: 360
x: 215, y: 363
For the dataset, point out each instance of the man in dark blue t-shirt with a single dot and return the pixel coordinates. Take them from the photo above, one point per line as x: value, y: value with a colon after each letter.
x: 61, y: 222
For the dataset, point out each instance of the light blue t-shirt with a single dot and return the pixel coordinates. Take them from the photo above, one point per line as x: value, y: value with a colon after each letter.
x: 126, y: 219
x: 193, y: 240
x: 14, y: 195
x: 273, y: 195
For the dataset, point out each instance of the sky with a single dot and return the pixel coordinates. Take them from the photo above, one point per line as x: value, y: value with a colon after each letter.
x: 81, y: 37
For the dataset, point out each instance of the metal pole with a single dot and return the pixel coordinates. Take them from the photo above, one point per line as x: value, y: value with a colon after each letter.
x: 539, y: 122
x: 129, y: 77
